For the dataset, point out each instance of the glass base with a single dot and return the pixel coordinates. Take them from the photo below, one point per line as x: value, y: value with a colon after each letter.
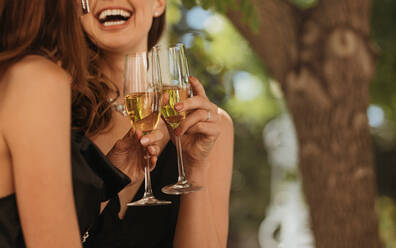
x: 180, y: 188
x: 148, y: 201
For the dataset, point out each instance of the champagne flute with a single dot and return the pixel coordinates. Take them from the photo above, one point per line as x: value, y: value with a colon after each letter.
x: 142, y: 95
x: 175, y: 88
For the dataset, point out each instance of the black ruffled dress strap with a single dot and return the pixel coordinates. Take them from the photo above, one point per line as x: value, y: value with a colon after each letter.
x: 114, y: 180
x: 95, y: 180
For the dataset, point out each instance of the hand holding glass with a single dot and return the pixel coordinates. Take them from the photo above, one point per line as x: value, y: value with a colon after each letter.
x: 175, y: 88
x: 142, y: 93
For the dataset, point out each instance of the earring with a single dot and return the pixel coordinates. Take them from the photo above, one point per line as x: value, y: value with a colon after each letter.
x: 156, y: 14
x: 85, y: 6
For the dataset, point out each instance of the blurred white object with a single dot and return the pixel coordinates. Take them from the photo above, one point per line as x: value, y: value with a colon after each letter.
x: 280, y: 140
x: 287, y: 222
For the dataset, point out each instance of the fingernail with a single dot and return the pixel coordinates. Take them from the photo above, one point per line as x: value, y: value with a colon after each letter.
x: 179, y: 106
x: 144, y: 141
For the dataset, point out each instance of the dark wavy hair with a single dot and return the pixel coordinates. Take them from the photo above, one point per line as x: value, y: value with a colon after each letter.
x: 52, y: 28
x: 49, y: 28
x: 91, y: 109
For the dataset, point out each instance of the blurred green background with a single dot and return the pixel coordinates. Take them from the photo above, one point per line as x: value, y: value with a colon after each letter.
x: 237, y: 81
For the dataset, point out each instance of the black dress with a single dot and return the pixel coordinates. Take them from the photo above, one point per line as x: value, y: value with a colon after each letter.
x: 143, y: 227
x: 95, y: 180
x: 10, y: 228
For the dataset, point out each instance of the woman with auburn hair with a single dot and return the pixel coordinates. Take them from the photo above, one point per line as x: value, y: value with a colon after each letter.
x: 45, y: 92
x: 199, y: 219
x: 36, y: 197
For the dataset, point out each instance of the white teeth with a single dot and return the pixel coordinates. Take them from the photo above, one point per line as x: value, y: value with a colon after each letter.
x: 113, y: 23
x: 125, y: 13
x: 102, y: 15
x: 113, y: 12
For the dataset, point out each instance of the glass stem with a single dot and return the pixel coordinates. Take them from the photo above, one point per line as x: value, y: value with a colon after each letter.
x: 148, y: 192
x: 180, y: 167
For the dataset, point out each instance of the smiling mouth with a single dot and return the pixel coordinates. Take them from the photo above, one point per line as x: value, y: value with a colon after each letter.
x: 111, y: 17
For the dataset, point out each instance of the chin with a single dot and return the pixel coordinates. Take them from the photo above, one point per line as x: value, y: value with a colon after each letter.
x: 121, y: 44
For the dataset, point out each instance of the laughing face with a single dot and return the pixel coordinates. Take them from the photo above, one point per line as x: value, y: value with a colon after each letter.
x: 121, y: 26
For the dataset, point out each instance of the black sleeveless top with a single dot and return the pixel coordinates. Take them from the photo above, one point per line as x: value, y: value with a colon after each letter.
x: 142, y: 227
x: 95, y: 180
x: 10, y: 228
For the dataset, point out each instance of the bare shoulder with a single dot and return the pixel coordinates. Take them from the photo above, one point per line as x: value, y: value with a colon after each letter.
x: 33, y: 69
x: 34, y: 77
x: 33, y: 85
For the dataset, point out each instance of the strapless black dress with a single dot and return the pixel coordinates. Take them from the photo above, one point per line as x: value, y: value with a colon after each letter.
x: 95, y: 180
x: 143, y: 227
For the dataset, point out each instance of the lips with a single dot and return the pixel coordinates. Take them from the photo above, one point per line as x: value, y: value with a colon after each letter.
x: 113, y: 16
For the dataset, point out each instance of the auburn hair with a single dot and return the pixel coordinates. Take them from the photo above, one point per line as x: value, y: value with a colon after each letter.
x: 48, y: 28
x: 52, y: 28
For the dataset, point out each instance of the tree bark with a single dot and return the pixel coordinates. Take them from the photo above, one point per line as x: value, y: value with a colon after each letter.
x: 323, y: 59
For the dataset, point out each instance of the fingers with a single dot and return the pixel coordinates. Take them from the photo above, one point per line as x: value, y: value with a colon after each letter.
x: 205, y: 128
x: 152, y: 154
x: 153, y: 161
x: 152, y: 138
x: 196, y: 102
x: 151, y: 142
x: 198, y: 117
x: 134, y: 136
x: 197, y: 88
x: 153, y: 150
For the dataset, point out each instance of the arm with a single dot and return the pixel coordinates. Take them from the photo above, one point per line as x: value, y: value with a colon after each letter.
x: 208, y: 146
x: 37, y: 131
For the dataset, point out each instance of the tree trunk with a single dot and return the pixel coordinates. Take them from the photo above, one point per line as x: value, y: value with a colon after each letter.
x: 323, y: 59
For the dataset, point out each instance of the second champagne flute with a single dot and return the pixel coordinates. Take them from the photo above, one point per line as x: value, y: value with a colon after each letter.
x: 175, y: 88
x: 142, y: 93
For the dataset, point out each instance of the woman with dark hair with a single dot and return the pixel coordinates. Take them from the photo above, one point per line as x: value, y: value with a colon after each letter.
x: 35, y: 177
x: 199, y: 219
x: 44, y: 90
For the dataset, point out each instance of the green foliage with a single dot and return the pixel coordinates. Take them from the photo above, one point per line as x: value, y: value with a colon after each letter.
x: 305, y: 4
x: 250, y: 15
x: 383, y: 89
x: 386, y: 209
x: 383, y: 94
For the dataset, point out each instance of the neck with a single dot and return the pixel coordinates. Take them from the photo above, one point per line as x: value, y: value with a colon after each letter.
x: 112, y: 63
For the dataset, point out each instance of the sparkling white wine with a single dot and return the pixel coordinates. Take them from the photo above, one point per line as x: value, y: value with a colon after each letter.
x: 143, y: 109
x: 173, y: 95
